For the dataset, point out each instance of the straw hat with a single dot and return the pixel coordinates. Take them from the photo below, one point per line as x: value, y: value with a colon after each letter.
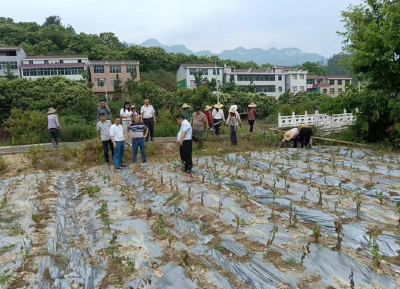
x: 232, y: 110
x: 252, y: 104
x: 132, y: 106
x: 208, y: 107
x: 185, y: 105
x: 288, y: 135
x: 218, y: 105
x: 51, y: 110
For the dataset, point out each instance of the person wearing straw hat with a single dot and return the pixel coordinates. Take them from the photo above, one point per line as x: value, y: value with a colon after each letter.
x: 300, y: 134
x: 53, y: 126
x: 251, y: 115
x: 218, y: 117
x: 134, y: 112
x: 186, y: 111
x: 208, y: 115
x: 234, y: 123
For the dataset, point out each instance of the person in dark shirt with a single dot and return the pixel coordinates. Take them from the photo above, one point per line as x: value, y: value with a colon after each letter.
x: 103, y: 108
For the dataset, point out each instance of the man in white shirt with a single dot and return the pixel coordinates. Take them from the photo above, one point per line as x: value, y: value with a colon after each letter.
x: 117, y: 138
x: 103, y: 128
x: 148, y: 115
x: 184, y: 139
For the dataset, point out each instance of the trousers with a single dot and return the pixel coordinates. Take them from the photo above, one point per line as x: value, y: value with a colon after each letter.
x: 106, y: 144
x: 233, y: 136
x: 251, y: 123
x: 186, y: 154
x: 200, y: 137
x: 119, y: 152
x: 149, y: 122
x: 54, y: 136
x: 136, y: 144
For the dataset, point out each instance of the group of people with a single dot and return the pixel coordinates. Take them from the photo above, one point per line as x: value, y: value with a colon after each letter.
x: 133, y: 128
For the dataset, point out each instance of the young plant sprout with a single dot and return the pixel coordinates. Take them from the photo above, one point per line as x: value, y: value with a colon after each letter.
x: 219, y: 207
x: 272, y: 235
x: 317, y: 232
x: 304, y: 196
x: 274, y: 195
x: 237, y: 220
x: 188, y: 196
x: 379, y: 195
x: 357, y: 197
x: 215, y: 167
x: 351, y: 277
x: 311, y: 176
x: 162, y: 179
x: 376, y: 257
x: 284, y: 174
x: 339, y: 239
x: 389, y: 169
x: 398, y: 211
x: 320, y: 196
x: 338, y: 201
x: 306, y: 250
x: 170, y: 239
x: 202, y: 198
x: 292, y: 215
x: 148, y: 214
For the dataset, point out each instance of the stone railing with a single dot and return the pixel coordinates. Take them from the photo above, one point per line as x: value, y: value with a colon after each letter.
x: 324, y: 121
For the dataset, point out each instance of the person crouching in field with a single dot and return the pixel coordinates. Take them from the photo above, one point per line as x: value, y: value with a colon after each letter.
x: 103, y: 128
x: 135, y: 132
x: 300, y: 134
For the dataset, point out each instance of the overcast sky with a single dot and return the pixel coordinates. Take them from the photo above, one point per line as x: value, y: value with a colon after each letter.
x: 215, y: 25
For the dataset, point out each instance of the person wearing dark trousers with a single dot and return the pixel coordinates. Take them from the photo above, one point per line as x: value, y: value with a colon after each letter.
x: 184, y: 139
x: 300, y: 134
x: 148, y: 115
x: 53, y: 126
x: 135, y: 132
x: 103, y: 128
x: 251, y: 115
x: 218, y: 117
x: 117, y: 138
x: 234, y: 123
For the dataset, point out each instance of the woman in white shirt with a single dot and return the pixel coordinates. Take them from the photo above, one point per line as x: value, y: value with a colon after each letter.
x: 218, y: 117
x: 125, y: 115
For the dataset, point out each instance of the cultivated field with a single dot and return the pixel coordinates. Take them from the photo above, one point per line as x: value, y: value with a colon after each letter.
x: 287, y: 218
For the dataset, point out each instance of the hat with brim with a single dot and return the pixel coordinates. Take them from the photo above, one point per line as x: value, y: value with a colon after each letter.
x: 218, y: 105
x: 185, y: 105
x: 252, y: 104
x: 208, y: 107
x: 289, y: 135
x: 232, y: 111
x: 132, y: 106
x: 51, y: 110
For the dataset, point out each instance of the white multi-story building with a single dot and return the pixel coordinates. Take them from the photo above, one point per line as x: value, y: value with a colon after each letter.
x: 273, y: 81
x: 70, y: 66
x: 186, y: 73
x: 11, y: 56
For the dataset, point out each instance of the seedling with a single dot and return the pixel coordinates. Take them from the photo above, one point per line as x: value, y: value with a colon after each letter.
x: 304, y: 196
x: 110, y: 251
x: 92, y: 190
x: 311, y: 176
x: 338, y: 201
x: 272, y: 235
x: 376, y: 257
x: 3, y: 202
x: 204, y: 176
x: 284, y: 174
x: 351, y: 277
x: 373, y: 167
x: 389, y: 169
x: 215, y: 167
x: 129, y: 265
x: 292, y: 215
x: 5, y: 278
x: 317, y: 232
x: 160, y: 226
x: 148, y: 214
x: 398, y: 211
x: 219, y: 207
x: 207, y: 163
x: 274, y: 195
x: 320, y: 196
x: 103, y: 212
x: 188, y: 195
x: 170, y: 240
x: 306, y: 250
x: 379, y: 195
x: 237, y: 220
x: 202, y: 199
x: 107, y: 179
x: 357, y: 197
x: 338, y: 229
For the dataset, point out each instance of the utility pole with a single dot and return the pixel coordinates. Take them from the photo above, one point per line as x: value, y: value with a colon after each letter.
x: 216, y: 78
x: 105, y: 87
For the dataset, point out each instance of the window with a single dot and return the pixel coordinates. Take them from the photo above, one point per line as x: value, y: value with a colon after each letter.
x: 332, y: 82
x: 4, y: 64
x: 301, y: 88
x: 214, y: 71
x: 280, y: 89
x: 331, y: 91
x: 269, y: 78
x: 46, y: 62
x: 30, y: 61
x: 53, y: 71
x: 339, y: 82
x: 115, y: 68
x: 98, y: 69
x: 192, y: 71
x: 325, y: 91
x: 301, y: 76
x: 279, y: 77
x: 100, y: 82
x: 115, y: 82
x: 205, y: 71
x: 339, y: 90
x: 61, y: 61
x: 131, y: 68
x: 294, y: 88
x: 294, y: 76
x: 232, y: 78
x: 310, y: 81
x: 79, y: 60
x: 11, y: 53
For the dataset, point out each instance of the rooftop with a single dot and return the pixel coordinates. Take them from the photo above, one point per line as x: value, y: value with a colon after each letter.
x: 113, y: 62
x: 53, y: 65
x: 11, y: 47
x: 321, y: 85
x: 56, y: 57
x: 200, y: 65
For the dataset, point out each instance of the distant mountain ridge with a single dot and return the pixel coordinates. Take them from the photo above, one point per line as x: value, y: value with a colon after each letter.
x: 286, y: 56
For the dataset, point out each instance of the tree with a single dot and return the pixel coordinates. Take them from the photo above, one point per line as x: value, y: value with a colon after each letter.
x: 118, y: 86
x: 314, y: 68
x: 198, y: 78
x: 373, y: 54
x: 52, y: 20
x: 9, y: 74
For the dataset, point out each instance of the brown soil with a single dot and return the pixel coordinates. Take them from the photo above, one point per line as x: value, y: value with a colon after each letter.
x: 309, y: 282
x: 190, y: 239
x: 115, y: 275
x: 251, y: 245
x: 47, y: 276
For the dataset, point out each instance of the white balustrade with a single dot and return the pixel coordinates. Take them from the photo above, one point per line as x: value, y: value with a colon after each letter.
x: 324, y: 121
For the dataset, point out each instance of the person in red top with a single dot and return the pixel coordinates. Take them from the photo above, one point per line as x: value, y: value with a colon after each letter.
x: 251, y: 115
x: 208, y: 115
